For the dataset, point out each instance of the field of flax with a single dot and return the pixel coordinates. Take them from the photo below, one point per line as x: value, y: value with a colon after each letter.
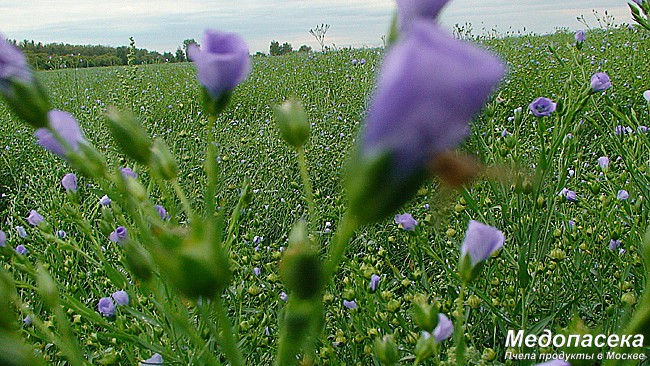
x: 572, y: 261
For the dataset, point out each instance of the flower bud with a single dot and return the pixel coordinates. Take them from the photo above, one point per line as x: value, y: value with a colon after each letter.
x: 424, y: 347
x: 138, y: 260
x: 293, y: 123
x: 300, y: 267
x: 129, y: 134
x: 163, y: 164
x: 47, y: 288
x: 386, y: 350
x: 425, y: 315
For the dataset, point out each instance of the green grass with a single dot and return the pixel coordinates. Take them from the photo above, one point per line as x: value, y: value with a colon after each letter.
x: 548, y: 276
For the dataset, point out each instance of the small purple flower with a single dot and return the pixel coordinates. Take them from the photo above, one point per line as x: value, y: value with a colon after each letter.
x: 410, y: 10
x: 622, y: 195
x: 571, y: 224
x: 444, y: 329
x: 406, y: 221
x: 603, y: 162
x: 13, y: 65
x: 3, y: 238
x: 350, y: 304
x: 28, y: 320
x: 128, y: 173
x: 362, y: 61
x: 121, y: 297
x: 623, y: 130
x: 69, y: 182
x: 614, y: 244
x: 156, y: 359
x: 222, y: 61
x: 119, y: 235
x: 34, y: 218
x: 106, y: 307
x: 570, y: 196
x: 257, y: 239
x: 642, y: 129
x: 20, y: 249
x: 162, y: 212
x: 104, y: 201
x: 354, y: 62
x: 646, y: 95
x: 283, y: 296
x: 66, y: 126
x: 600, y: 81
x: 557, y: 362
x: 21, y: 232
x: 580, y: 36
x: 61, y: 234
x: 542, y: 107
x: 257, y: 271
x: 374, y: 281
x: 481, y: 241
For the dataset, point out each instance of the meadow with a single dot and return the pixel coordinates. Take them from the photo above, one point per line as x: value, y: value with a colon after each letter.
x: 570, y: 264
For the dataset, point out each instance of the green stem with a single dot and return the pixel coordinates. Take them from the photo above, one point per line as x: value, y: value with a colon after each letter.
x: 184, y: 201
x: 308, y: 188
x: 210, y: 169
x: 339, y: 244
x: 460, y: 330
x: 228, y: 343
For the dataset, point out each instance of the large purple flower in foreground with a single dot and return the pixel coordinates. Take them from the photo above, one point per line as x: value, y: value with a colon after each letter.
x: 429, y: 88
x: 222, y: 61
x: 410, y: 10
x: 480, y: 242
x: 68, y: 129
x: 13, y: 66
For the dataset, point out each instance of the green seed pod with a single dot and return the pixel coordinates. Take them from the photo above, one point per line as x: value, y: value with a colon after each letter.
x: 386, y: 350
x: 129, y: 134
x: 163, y: 164
x: 300, y: 267
x: 425, y: 315
x: 293, y: 123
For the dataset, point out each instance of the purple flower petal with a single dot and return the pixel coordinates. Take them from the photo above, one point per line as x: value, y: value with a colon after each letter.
x: 120, y: 297
x: 156, y: 359
x: 622, y: 195
x: 13, y: 65
x: 106, y: 307
x: 3, y: 238
x: 444, y: 329
x: 66, y: 126
x: 481, y: 241
x: 374, y: 281
x: 119, y: 235
x: 34, y: 218
x: 69, y: 182
x: 406, y: 221
x: 20, y: 249
x: 350, y: 304
x: 410, y: 10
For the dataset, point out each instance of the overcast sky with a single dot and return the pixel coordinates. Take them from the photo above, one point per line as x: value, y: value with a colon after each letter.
x: 163, y: 24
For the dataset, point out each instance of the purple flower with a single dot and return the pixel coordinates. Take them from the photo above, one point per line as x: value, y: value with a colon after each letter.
x: 374, y: 281
x: 106, y: 307
x: 557, y: 362
x: 283, y: 296
x: 481, y: 241
x: 222, y: 62
x: 614, y: 244
x: 21, y: 232
x: 350, y: 304
x: 642, y: 129
x: 444, y: 329
x: 69, y: 182
x: 20, y: 249
x: 34, y: 218
x: 257, y: 271
x: 162, y: 212
x: 429, y: 87
x: 570, y: 196
x: 410, y: 10
x: 646, y: 95
x: 603, y: 162
x: 542, y: 107
x: 622, y: 195
x: 28, y: 320
x: 61, y: 234
x: 406, y: 221
x: 580, y: 36
x: 128, y: 173
x: 354, y: 62
x: 13, y: 66
x: 622, y: 130
x: 156, y: 359
x: 68, y: 129
x: 119, y: 235
x: 3, y: 238
x: 104, y: 201
x: 600, y: 81
x: 362, y: 61
x: 121, y: 297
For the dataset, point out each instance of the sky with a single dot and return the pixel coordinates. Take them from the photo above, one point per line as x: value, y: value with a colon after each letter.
x: 162, y: 25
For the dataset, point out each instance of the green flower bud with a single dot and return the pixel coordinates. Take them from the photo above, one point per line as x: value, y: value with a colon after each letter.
x: 88, y: 161
x: 425, y: 315
x: 163, y: 164
x: 424, y: 347
x: 129, y: 134
x: 300, y: 267
x: 29, y: 101
x: 386, y: 350
x: 47, y: 288
x: 138, y: 260
x: 293, y: 123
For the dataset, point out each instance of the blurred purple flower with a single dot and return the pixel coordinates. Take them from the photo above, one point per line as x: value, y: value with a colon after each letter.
x: 21, y: 232
x: 444, y: 329
x: 20, y: 249
x: 406, y: 221
x: 642, y: 129
x: 622, y: 195
x: 570, y: 196
x: 69, y: 182
x: 3, y: 238
x: 28, y: 320
x: 481, y: 241
x: 257, y: 271
x: 162, y: 212
x: 13, y: 65
x: 105, y: 200
x: 128, y: 173
x: 350, y: 304
x: 614, y: 244
x: 222, y: 62
x: 68, y: 129
x: 580, y: 36
x: 354, y: 62
x: 283, y: 296
x: 362, y: 61
x: 156, y: 359
x: 106, y: 307
x: 646, y: 95
x: 120, y: 297
x: 603, y: 162
x: 542, y: 107
x: 61, y: 234
x: 600, y: 81
x: 34, y: 218
x: 410, y: 10
x: 623, y: 130
x: 119, y: 235
x: 374, y: 281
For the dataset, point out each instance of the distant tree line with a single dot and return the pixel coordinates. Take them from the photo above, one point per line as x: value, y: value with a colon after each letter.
x: 62, y: 55
x: 275, y: 49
